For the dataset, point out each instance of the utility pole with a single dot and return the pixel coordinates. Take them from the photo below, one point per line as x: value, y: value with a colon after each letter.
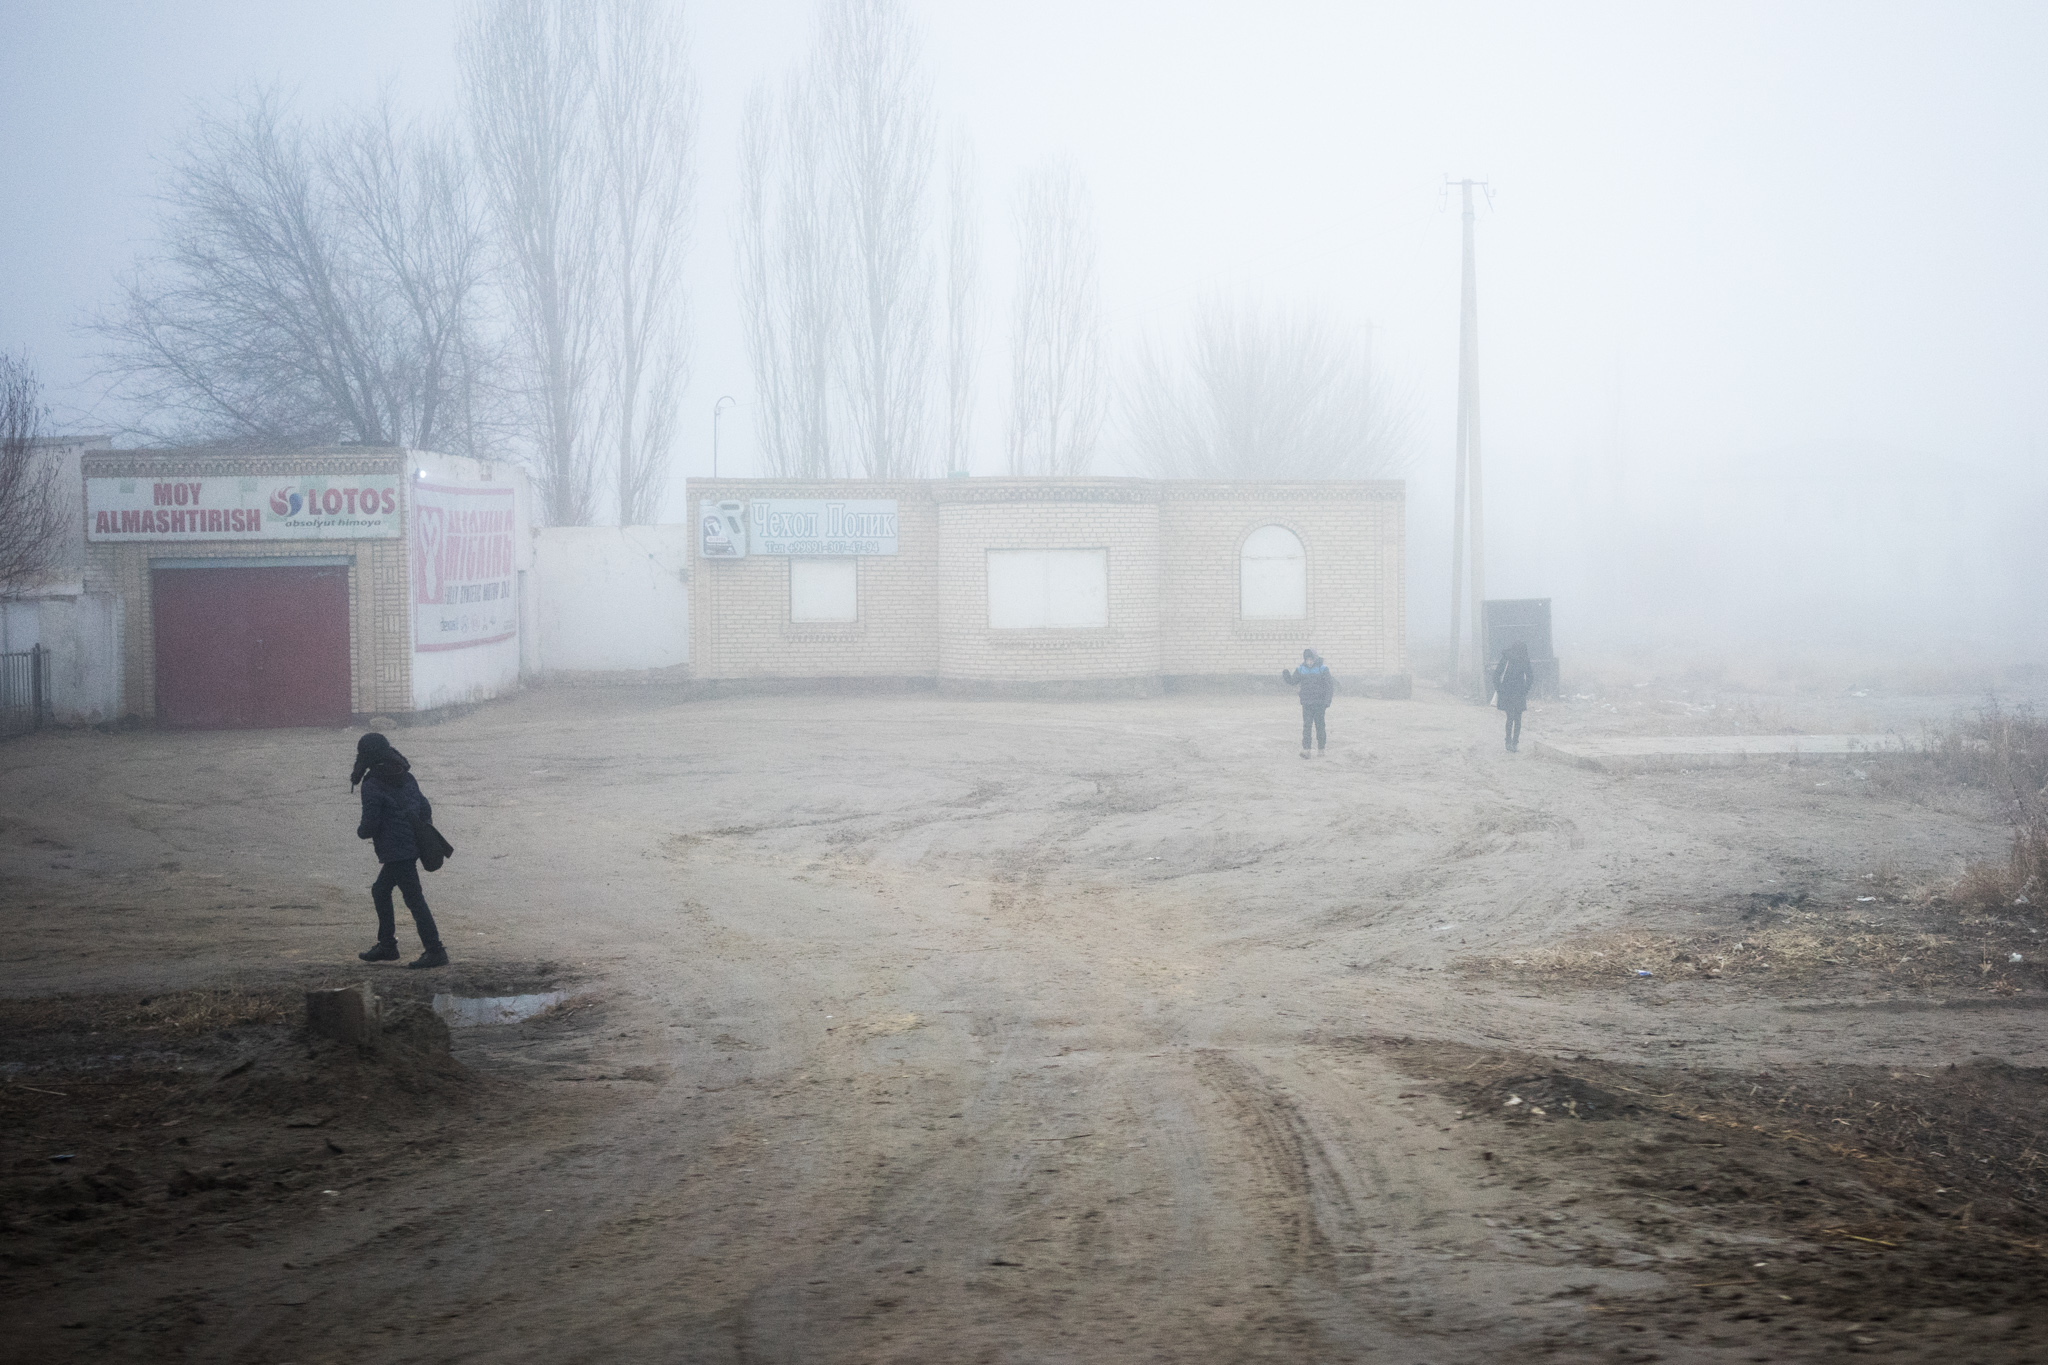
x: 1468, y: 499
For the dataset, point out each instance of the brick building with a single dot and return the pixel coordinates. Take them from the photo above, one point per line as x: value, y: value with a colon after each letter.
x: 306, y: 588
x: 1046, y: 586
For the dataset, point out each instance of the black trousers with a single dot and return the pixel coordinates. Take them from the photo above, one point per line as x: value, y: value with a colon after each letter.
x: 405, y: 875
x: 1514, y: 727
x: 1312, y: 722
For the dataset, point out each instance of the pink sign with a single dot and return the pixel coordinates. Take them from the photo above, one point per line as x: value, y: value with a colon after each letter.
x: 462, y: 583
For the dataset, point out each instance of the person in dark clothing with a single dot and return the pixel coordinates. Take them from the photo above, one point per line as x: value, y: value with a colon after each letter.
x: 1317, y: 687
x: 390, y: 800
x: 1512, y: 678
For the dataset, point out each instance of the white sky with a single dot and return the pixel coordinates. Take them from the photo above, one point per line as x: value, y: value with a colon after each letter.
x: 1795, y: 244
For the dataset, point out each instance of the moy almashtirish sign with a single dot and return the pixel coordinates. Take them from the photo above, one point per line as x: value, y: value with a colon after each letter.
x: 821, y: 526
x: 243, y: 507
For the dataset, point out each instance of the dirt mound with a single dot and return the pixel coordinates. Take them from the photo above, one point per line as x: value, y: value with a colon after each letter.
x: 1553, y: 1094
x: 407, y: 1070
x: 1818, y: 1192
x: 128, y: 1124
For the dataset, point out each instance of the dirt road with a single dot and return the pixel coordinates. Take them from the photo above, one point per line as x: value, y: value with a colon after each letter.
x: 927, y: 1030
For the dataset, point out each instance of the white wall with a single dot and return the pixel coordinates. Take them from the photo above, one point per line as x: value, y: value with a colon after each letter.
x: 611, y: 598
x: 448, y: 677
x: 83, y: 635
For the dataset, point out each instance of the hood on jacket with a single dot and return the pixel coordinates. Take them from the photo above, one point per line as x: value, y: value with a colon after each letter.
x: 376, y: 758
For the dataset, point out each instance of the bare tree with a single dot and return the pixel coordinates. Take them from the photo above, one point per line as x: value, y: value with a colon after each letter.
x: 407, y: 206
x: 876, y: 104
x: 645, y: 107
x: 313, y: 285
x: 963, y: 272
x: 835, y: 269
x: 789, y: 255
x: 753, y: 229
x: 31, y: 504
x: 529, y: 68
x: 1263, y: 394
x: 1056, y: 384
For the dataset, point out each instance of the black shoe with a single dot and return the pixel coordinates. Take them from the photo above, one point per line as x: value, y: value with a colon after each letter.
x: 436, y: 956
x: 383, y: 952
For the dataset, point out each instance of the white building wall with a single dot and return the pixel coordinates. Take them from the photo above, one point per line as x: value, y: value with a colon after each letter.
x: 610, y: 599
x: 83, y: 635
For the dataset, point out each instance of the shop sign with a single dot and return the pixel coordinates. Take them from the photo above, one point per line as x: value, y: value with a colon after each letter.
x: 242, y: 507
x: 462, y: 575
x: 802, y: 526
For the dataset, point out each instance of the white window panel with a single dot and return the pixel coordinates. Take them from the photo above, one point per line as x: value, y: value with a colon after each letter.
x: 823, y: 590
x: 1273, y: 576
x: 1048, y: 589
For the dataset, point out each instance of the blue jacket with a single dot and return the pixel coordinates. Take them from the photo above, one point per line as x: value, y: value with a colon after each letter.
x: 388, y: 808
x: 1315, y: 682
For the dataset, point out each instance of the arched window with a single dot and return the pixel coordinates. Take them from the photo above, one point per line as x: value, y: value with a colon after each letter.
x: 1273, y: 576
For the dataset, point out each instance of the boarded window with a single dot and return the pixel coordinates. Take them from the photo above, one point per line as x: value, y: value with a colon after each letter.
x: 1273, y: 576
x: 822, y: 590
x: 1048, y: 589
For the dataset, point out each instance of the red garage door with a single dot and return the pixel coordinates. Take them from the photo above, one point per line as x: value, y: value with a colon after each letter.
x: 251, y: 647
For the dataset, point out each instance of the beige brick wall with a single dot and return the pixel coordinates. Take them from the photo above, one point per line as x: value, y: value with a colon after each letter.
x: 380, y: 636
x: 739, y: 608
x: 1352, y: 535
x: 979, y: 515
x: 1174, y: 552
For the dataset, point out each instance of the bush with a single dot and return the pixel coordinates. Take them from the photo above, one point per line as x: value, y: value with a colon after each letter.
x: 2005, y: 753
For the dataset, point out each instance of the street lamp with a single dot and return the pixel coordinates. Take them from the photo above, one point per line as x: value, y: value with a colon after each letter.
x: 718, y: 410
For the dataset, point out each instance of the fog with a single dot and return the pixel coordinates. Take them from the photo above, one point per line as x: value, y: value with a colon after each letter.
x: 1759, y: 285
x: 903, y: 924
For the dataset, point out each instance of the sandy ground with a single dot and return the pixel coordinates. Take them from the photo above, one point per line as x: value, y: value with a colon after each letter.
x: 911, y: 1029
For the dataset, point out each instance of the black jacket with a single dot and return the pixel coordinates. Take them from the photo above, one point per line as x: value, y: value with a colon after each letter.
x: 1316, y: 684
x: 389, y: 803
x: 1512, y: 679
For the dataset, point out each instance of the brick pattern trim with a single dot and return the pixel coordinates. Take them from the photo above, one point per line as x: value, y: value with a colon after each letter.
x: 132, y: 464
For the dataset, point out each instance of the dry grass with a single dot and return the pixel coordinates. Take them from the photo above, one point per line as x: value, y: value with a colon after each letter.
x: 1976, y: 957
x: 174, y: 1014
x: 2004, y: 753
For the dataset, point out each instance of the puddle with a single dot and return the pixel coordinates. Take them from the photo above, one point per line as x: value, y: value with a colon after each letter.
x: 463, y: 1011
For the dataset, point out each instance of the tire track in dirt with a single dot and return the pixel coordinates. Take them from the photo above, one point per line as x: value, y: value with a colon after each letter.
x: 1302, y: 1192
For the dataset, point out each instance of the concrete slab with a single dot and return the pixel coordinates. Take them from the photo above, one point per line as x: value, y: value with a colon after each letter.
x: 1663, y: 753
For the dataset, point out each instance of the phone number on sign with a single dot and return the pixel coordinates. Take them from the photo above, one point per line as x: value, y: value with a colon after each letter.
x: 819, y: 547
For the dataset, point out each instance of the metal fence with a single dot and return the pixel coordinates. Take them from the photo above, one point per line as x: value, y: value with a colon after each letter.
x: 24, y: 691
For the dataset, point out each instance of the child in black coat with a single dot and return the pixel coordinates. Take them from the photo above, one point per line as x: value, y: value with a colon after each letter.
x: 391, y: 799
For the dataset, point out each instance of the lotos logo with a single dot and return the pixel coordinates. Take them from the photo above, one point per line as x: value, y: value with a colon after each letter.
x: 285, y: 504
